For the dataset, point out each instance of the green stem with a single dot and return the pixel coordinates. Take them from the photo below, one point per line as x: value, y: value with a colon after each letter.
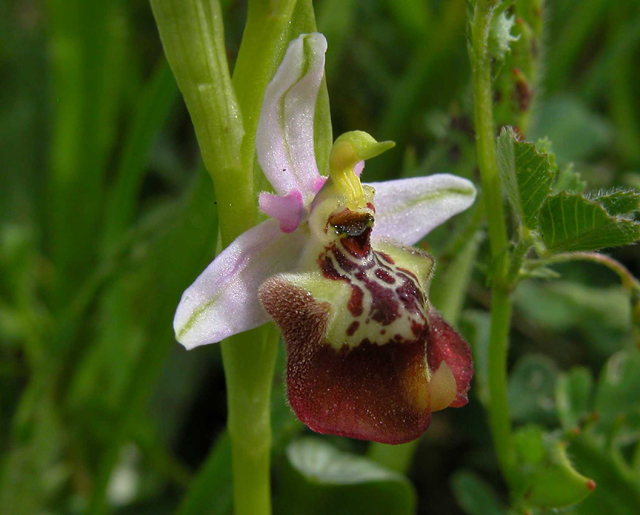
x: 193, y: 39
x: 249, y: 361
x: 499, y: 417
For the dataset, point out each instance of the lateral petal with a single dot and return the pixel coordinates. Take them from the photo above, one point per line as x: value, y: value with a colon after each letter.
x: 223, y: 300
x: 408, y: 209
x: 289, y: 210
x: 284, y: 137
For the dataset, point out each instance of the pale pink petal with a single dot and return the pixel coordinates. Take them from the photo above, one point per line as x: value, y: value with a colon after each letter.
x: 223, y: 300
x: 408, y: 209
x: 288, y: 210
x: 284, y: 138
x: 358, y: 168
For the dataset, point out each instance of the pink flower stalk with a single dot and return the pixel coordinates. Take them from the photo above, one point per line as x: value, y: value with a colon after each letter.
x: 367, y: 356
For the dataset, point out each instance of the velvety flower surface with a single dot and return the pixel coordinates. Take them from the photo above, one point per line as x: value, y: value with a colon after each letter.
x: 367, y: 356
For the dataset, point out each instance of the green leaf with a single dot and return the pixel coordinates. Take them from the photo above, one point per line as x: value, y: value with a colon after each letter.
x: 575, y: 223
x: 211, y: 491
x: 319, y: 479
x: 573, y: 396
x: 527, y: 176
x: 530, y: 445
x: 549, y: 479
x: 616, y: 492
x: 474, y: 495
x: 619, y: 203
x: 577, y: 132
x: 531, y: 390
x: 618, y: 390
x: 569, y: 180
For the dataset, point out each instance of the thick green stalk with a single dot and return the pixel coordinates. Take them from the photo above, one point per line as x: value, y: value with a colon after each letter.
x: 194, y: 43
x: 499, y: 417
x: 193, y: 38
x: 192, y: 35
x: 249, y: 361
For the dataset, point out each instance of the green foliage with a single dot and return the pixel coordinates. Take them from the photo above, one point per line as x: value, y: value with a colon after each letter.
x: 577, y: 131
x: 569, y: 180
x: 618, y: 392
x: 576, y: 223
x: 531, y: 388
x: 474, y: 495
x: 549, y: 479
x: 574, y: 391
x: 106, y: 216
x: 619, y: 203
x: 320, y: 479
x: 527, y: 176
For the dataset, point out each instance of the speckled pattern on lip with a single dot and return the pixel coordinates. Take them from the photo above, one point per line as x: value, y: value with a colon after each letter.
x: 370, y: 378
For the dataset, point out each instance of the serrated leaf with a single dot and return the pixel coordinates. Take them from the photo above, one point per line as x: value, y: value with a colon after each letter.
x: 619, y: 202
x: 573, y: 396
x: 474, y: 495
x: 531, y: 389
x: 569, y: 180
x: 321, y: 479
x: 526, y: 174
x: 574, y: 223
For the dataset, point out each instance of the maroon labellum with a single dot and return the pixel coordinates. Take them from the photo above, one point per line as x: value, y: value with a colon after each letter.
x: 364, y: 349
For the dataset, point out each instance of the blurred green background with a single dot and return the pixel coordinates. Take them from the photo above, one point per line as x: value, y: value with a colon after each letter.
x: 107, y: 216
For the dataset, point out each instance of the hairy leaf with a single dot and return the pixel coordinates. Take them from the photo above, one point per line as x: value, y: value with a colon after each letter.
x: 574, y: 223
x: 549, y: 478
x: 527, y: 175
x: 619, y: 203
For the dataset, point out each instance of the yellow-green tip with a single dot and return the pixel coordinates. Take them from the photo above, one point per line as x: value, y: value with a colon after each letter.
x: 348, y: 150
x: 352, y: 147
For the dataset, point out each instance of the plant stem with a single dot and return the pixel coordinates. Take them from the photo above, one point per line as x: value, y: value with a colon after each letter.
x: 192, y: 34
x: 249, y: 361
x: 499, y: 417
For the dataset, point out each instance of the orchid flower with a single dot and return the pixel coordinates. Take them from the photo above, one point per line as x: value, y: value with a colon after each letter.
x: 367, y: 356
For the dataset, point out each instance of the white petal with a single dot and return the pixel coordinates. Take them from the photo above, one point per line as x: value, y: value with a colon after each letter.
x: 223, y: 300
x: 408, y: 209
x: 284, y: 138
